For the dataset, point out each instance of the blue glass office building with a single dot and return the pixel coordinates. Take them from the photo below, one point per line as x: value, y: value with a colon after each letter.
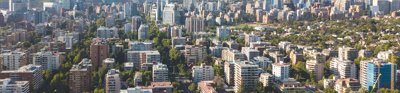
x: 385, y: 69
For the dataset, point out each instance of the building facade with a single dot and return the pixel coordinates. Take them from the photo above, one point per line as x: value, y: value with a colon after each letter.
x: 280, y: 71
x: 113, y: 81
x: 160, y: 73
x: 98, y: 51
x: 47, y: 59
x: 31, y: 73
x: 195, y: 24
x: 377, y: 69
x: 10, y: 86
x: 246, y: 75
x: 343, y: 68
x: 202, y: 73
x: 80, y: 77
x: 13, y: 60
x: 105, y: 32
x: 195, y: 53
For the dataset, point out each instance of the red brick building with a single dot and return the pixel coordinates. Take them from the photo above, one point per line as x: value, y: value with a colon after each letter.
x: 98, y: 51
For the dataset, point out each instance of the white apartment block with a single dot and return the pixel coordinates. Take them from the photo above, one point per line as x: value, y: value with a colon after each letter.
x: 140, y: 46
x: 250, y: 53
x: 31, y: 73
x: 169, y: 14
x: 113, y: 81
x: 160, y: 73
x: 13, y: 60
x: 194, y: 53
x: 261, y: 61
x: 143, y: 31
x: 315, y: 67
x: 384, y: 55
x: 347, y: 53
x: 280, y: 71
x: 266, y: 79
x: 109, y: 63
x: 105, y: 32
x: 140, y: 57
x: 232, y: 55
x: 248, y: 38
x: 229, y: 71
x: 10, y: 86
x: 47, y: 59
x: 246, y: 75
x: 202, y: 73
x: 343, y: 68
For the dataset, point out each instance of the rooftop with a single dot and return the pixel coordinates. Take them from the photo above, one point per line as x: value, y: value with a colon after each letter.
x: 27, y: 68
x: 159, y: 85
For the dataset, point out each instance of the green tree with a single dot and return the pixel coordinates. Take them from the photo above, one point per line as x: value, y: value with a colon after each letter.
x: 146, y: 77
x: 99, y: 90
x: 183, y: 70
x: 46, y: 74
x: 218, y: 70
x: 166, y: 42
x: 260, y: 88
x: 219, y: 81
x: 100, y: 22
x: 329, y: 90
x: 77, y: 58
x: 192, y: 87
x: 300, y: 72
x: 174, y: 55
x: 320, y: 84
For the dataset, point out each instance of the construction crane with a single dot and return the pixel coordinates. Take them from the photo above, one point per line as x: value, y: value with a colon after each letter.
x: 376, y: 81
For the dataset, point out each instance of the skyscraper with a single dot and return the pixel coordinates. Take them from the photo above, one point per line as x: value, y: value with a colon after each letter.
x: 169, y: 14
